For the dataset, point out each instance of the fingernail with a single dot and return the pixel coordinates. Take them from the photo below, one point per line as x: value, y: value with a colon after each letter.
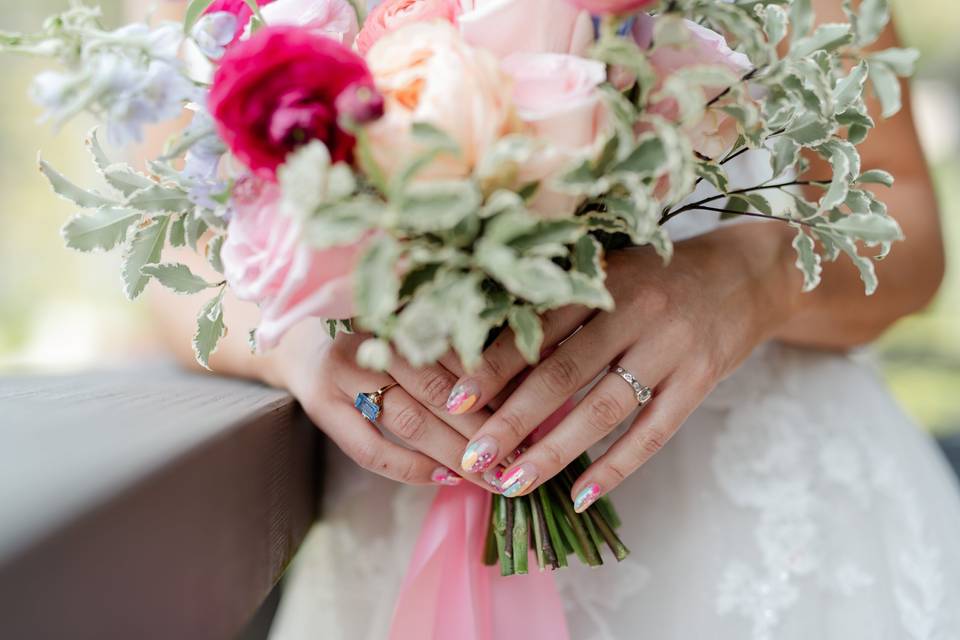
x: 463, y: 396
x: 518, y: 480
x: 479, y: 455
x: 493, y: 477
x: 442, y: 475
x: 587, y: 496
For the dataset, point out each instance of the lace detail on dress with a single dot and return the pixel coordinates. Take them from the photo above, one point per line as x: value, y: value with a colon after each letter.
x: 762, y: 462
x: 601, y: 601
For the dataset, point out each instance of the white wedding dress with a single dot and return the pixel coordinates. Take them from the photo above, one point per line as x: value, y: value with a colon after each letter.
x: 797, y: 503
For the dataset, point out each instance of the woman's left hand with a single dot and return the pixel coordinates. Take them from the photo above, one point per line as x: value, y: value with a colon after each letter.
x: 679, y: 328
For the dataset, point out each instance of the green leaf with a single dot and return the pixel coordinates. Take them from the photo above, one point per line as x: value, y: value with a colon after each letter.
x: 432, y: 137
x: 178, y: 231
x: 527, y: 331
x: 145, y: 248
x: 868, y: 227
x: 827, y: 37
x: 886, y: 86
x: 160, y: 198
x: 808, y: 260
x: 66, y: 189
x: 120, y: 176
x: 872, y: 19
x: 775, y: 23
x: 876, y: 176
x: 213, y: 252
x: 849, y: 90
x: 588, y: 257
x: 210, y: 330
x: 901, y: 61
x: 809, y: 130
x: 646, y: 159
x: 103, y: 229
x: 784, y: 154
x: 194, y: 10
x: 715, y: 174
x: 437, y: 204
x: 176, y: 277
x: 194, y: 228
x: 377, y: 285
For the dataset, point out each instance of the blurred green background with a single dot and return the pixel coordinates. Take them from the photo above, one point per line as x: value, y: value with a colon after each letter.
x: 63, y: 310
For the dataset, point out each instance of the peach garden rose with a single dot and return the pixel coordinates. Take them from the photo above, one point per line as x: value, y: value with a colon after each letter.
x: 427, y: 73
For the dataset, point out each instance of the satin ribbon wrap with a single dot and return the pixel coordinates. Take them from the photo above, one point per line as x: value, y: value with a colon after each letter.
x: 449, y: 593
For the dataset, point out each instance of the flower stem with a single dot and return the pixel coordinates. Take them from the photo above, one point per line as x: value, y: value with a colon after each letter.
x: 500, y: 531
x: 556, y: 538
x: 521, y: 536
x: 541, y: 539
x: 577, y: 530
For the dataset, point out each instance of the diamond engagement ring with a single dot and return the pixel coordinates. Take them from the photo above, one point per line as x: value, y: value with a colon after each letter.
x: 642, y: 392
x: 371, y: 404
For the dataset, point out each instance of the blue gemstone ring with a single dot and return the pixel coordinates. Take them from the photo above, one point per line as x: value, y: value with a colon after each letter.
x: 370, y: 405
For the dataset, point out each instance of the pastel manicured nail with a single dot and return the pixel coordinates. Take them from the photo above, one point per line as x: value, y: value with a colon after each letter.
x: 493, y: 477
x: 587, y: 496
x: 518, y: 480
x: 442, y: 475
x: 463, y: 396
x: 479, y: 455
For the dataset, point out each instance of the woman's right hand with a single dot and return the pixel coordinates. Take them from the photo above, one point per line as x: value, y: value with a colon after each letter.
x: 324, y: 376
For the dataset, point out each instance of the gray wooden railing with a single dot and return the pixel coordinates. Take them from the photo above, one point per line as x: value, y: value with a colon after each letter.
x: 148, y: 503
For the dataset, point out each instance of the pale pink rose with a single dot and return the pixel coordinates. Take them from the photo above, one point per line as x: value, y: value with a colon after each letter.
x: 427, y: 73
x: 335, y: 19
x: 557, y: 98
x: 614, y: 7
x: 717, y: 132
x: 266, y: 262
x: 504, y: 27
x: 390, y: 15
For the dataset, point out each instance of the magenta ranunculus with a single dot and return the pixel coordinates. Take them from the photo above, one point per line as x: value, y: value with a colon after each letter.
x: 238, y: 8
x: 613, y: 7
x: 265, y: 261
x: 278, y: 91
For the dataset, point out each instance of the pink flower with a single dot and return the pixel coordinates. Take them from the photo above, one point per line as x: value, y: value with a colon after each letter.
x: 613, y: 7
x: 238, y: 8
x: 390, y: 15
x: 504, y: 27
x: 336, y: 19
x: 278, y: 90
x: 265, y: 262
x: 557, y: 97
x: 427, y: 73
x: 716, y: 132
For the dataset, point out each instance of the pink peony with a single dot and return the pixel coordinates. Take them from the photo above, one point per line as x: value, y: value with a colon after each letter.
x: 613, y: 7
x: 278, y: 90
x: 390, y: 15
x: 557, y: 97
x: 238, y: 8
x: 336, y: 19
x: 716, y: 132
x: 504, y: 27
x: 427, y: 73
x: 265, y: 262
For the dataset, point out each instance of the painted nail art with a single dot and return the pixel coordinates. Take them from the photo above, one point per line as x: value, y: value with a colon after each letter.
x: 518, y: 480
x: 587, y: 496
x: 463, y: 397
x: 442, y: 475
x: 479, y: 455
x: 494, y: 476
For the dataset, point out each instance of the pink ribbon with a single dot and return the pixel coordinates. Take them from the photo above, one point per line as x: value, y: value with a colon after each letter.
x: 449, y: 593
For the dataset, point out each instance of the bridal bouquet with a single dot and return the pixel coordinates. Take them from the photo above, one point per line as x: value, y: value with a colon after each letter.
x: 438, y: 170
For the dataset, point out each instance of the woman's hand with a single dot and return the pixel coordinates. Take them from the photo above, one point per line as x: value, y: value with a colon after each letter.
x: 324, y: 376
x: 679, y: 329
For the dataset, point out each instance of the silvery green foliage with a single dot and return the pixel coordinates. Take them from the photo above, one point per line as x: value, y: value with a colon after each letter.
x: 141, y: 215
x: 448, y: 263
x: 460, y: 259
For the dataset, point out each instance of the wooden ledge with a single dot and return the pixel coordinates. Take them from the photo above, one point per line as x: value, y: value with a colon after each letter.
x: 148, y: 503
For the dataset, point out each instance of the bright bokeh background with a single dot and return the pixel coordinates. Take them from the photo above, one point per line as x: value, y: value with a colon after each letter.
x: 61, y: 310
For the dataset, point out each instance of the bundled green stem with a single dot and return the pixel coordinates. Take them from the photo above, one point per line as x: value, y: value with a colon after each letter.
x: 546, y: 522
